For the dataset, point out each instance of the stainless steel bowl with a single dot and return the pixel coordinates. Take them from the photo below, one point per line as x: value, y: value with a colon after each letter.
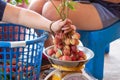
x: 89, y: 53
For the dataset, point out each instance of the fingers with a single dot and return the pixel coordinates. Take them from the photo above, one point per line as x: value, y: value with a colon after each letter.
x: 65, y: 22
x: 68, y: 21
x: 65, y: 27
x: 67, y: 31
x: 68, y: 28
x: 73, y: 27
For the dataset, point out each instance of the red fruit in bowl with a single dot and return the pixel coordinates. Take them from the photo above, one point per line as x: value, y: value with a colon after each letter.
x: 66, y: 52
x: 59, y: 46
x: 73, y: 48
x: 50, y: 51
x: 81, y: 58
x: 66, y: 58
x: 67, y: 47
x: 81, y: 54
x: 55, y: 49
x: 60, y: 58
x: 73, y: 57
x: 58, y: 53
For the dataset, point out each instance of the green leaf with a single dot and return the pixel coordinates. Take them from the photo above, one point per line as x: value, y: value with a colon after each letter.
x: 19, y: 1
x: 15, y: 2
x: 60, y: 51
x: 26, y: 1
x: 70, y: 5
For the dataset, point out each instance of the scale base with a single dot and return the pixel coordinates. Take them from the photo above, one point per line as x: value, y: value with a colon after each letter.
x: 54, y: 74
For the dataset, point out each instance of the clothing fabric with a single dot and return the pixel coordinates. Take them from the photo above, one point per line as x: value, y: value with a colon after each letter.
x: 106, y: 16
x: 2, y: 8
x: 112, y: 7
x: 108, y: 12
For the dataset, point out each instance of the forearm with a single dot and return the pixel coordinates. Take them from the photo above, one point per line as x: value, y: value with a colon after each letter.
x: 33, y: 20
x: 37, y: 5
x: 25, y: 17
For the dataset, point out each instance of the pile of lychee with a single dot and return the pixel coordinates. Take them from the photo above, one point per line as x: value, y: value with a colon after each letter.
x: 66, y: 47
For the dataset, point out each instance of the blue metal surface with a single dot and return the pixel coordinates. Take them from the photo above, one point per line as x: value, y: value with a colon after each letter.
x: 99, y: 41
x: 19, y: 62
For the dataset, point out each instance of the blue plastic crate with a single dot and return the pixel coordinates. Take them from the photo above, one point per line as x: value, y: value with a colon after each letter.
x: 20, y: 52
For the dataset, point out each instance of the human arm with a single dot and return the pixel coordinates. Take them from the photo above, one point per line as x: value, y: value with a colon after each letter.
x: 30, y: 18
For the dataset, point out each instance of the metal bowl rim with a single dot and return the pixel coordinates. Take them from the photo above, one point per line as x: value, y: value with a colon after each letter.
x: 91, y: 56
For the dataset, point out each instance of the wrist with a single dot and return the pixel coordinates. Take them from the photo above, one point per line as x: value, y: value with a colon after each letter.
x: 50, y: 28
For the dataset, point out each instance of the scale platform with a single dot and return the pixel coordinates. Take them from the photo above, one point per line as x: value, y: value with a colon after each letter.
x: 47, y: 74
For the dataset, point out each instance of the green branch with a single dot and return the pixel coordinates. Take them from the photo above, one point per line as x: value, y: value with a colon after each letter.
x: 64, y: 7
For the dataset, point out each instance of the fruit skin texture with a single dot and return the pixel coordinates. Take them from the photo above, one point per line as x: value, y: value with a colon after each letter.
x: 66, y: 52
x: 73, y: 57
x: 81, y: 54
x: 73, y: 49
x: 67, y: 41
x: 56, y: 40
x: 58, y: 54
x: 66, y: 58
x: 76, y: 35
x: 50, y: 52
x: 74, y: 41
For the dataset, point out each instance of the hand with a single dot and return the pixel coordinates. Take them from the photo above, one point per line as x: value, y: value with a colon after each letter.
x: 67, y: 28
x: 62, y: 25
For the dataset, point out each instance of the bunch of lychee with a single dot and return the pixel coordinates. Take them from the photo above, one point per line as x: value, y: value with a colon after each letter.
x: 65, y: 47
